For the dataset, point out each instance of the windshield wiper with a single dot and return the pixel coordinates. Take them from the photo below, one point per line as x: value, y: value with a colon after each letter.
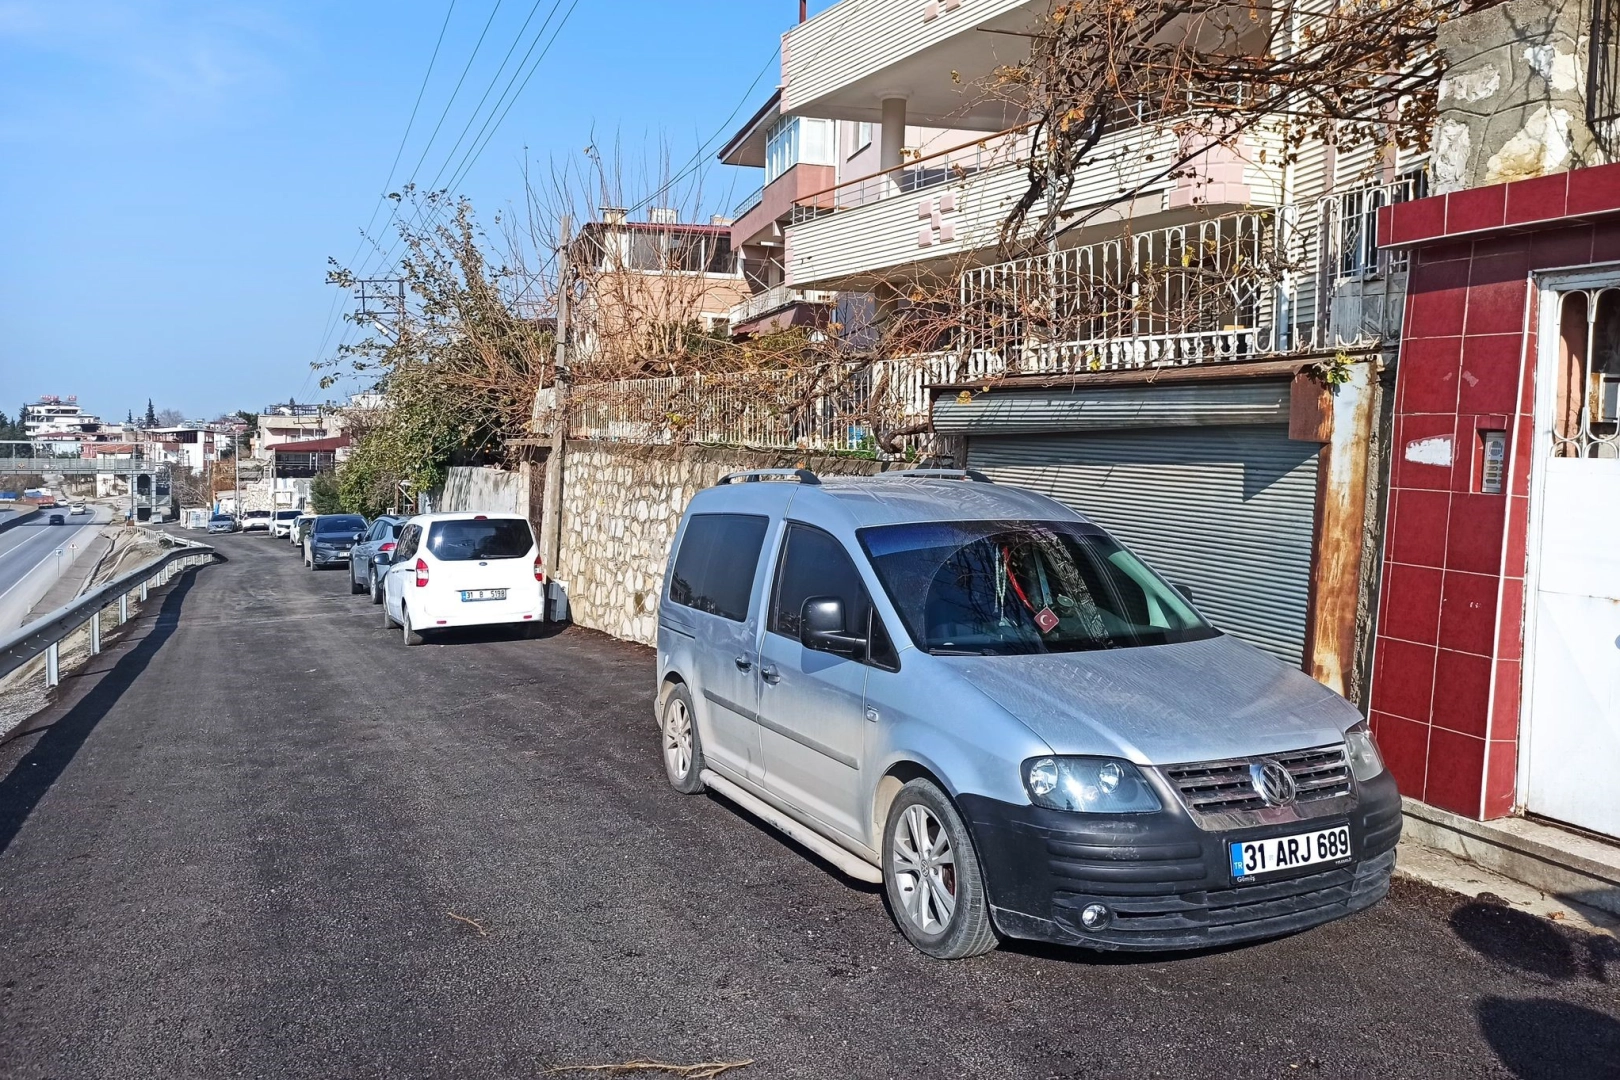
x: 961, y: 652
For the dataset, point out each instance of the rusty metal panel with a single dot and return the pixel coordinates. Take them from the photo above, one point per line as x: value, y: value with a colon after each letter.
x: 1075, y: 408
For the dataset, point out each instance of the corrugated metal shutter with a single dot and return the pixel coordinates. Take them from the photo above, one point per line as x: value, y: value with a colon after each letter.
x: 1226, y: 511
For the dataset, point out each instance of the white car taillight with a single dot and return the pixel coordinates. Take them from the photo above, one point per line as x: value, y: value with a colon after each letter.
x: 540, y: 569
x: 388, y: 546
x: 421, y: 573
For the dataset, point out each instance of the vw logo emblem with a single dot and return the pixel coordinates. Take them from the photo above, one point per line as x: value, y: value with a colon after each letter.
x: 1272, y: 782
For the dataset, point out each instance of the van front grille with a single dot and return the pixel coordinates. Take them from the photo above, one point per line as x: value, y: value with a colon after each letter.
x: 1219, y: 787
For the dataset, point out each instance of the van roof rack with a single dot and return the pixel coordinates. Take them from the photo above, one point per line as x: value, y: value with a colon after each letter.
x: 750, y: 476
x: 938, y: 474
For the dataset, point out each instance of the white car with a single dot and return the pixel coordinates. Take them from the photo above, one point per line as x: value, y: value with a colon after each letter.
x: 282, y: 524
x: 80, y: 508
x: 452, y: 570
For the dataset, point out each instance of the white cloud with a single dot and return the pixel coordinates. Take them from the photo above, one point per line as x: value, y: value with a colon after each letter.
x: 94, y: 64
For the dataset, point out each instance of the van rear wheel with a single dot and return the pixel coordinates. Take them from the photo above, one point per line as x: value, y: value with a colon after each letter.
x: 932, y: 877
x: 683, y: 752
x: 410, y: 635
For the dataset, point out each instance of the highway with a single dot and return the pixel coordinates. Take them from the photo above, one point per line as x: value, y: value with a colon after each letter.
x: 28, y: 558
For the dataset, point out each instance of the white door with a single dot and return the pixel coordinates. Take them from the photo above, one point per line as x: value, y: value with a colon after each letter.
x: 1572, y: 743
x: 1574, y: 736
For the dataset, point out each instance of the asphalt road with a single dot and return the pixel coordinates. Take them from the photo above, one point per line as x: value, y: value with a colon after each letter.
x: 236, y: 847
x: 24, y: 547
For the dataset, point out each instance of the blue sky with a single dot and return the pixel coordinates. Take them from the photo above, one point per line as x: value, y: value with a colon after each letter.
x: 176, y: 172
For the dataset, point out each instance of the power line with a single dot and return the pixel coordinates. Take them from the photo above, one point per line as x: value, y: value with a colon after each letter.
x: 492, y: 123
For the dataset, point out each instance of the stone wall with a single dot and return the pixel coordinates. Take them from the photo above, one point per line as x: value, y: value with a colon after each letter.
x: 1513, y: 99
x: 621, y: 506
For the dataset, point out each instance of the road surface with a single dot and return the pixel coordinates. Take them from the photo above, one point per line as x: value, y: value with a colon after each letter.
x: 246, y: 844
x: 28, y: 562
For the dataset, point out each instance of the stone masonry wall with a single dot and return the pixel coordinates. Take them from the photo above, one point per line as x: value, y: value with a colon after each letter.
x: 621, y: 506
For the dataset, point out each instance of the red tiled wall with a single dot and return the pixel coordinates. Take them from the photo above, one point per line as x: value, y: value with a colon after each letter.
x: 1454, y: 558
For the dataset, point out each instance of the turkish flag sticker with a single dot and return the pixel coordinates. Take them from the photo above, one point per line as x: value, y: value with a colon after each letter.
x: 1046, y: 620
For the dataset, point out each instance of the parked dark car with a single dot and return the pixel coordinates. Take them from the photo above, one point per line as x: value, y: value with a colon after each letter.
x: 368, y: 560
x: 221, y: 523
x: 330, y: 538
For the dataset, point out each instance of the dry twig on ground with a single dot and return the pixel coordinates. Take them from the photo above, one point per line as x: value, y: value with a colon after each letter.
x: 703, y: 1070
x: 475, y: 925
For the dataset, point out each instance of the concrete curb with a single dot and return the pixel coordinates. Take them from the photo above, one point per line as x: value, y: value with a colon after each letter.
x: 12, y: 523
x: 1563, y: 863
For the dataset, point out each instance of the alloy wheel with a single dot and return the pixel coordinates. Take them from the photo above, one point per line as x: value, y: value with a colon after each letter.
x: 925, y: 870
x: 677, y: 739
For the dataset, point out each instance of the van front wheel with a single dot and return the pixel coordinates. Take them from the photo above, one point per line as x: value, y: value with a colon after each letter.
x: 932, y: 877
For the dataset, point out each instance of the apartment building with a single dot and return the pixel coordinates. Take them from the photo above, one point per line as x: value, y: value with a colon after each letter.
x: 650, y: 280
x: 1219, y: 419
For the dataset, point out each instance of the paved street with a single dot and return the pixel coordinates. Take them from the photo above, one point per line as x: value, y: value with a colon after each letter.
x: 236, y: 848
x: 28, y: 558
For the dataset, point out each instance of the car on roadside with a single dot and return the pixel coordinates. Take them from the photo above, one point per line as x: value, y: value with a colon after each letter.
x: 221, y: 523
x: 975, y: 696
x: 282, y: 523
x: 458, y: 570
x: 256, y: 521
x: 329, y: 539
x: 58, y: 519
x: 368, y: 559
x: 299, y: 530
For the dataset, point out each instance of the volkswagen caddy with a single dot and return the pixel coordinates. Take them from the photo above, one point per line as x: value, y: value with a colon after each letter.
x: 975, y: 696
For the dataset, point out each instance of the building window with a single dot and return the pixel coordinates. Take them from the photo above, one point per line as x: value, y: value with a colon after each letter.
x: 795, y: 140
x: 862, y: 138
x: 1603, y: 75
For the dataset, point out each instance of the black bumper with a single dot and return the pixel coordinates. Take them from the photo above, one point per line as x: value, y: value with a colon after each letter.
x: 1166, y: 882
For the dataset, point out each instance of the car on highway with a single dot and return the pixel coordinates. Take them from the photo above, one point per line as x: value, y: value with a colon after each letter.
x: 58, y: 519
x: 79, y: 508
x: 329, y: 539
x: 455, y: 570
x: 256, y: 521
x: 977, y: 697
x: 282, y: 523
x: 221, y: 523
x: 368, y: 559
x: 299, y: 529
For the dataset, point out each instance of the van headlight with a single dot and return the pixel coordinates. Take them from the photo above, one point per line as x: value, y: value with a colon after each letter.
x: 1088, y: 785
x: 1362, y: 752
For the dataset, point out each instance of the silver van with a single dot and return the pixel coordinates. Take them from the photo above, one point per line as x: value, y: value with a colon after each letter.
x: 972, y: 694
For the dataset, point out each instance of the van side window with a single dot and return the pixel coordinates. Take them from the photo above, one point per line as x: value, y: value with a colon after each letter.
x: 715, y: 569
x: 407, y: 543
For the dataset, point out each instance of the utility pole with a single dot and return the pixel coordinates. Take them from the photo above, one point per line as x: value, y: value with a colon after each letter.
x: 378, y: 297
x: 551, y: 523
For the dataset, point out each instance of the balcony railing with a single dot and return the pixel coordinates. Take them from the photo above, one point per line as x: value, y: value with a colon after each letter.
x: 920, y: 174
x: 748, y: 202
x: 775, y: 298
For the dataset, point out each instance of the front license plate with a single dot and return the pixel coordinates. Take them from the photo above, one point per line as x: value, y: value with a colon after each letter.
x: 1252, y: 859
x: 483, y: 594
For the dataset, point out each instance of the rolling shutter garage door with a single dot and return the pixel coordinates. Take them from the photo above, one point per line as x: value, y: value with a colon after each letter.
x: 1226, y: 510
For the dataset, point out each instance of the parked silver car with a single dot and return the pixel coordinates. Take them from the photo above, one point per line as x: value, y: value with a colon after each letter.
x: 974, y: 695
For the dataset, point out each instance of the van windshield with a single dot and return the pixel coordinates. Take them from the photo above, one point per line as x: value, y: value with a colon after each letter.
x: 1018, y: 587
x: 489, y: 538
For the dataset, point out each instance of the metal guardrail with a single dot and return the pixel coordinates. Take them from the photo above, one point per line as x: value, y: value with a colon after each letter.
x: 46, y: 634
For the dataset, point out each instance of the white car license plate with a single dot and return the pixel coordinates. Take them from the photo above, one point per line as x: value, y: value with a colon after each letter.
x: 1253, y: 859
x: 483, y: 594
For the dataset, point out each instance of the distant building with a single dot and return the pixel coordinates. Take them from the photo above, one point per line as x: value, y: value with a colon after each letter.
x: 52, y: 415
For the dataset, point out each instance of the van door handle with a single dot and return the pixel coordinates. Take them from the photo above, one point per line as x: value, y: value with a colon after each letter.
x: 770, y: 674
x: 743, y: 663
x: 871, y: 714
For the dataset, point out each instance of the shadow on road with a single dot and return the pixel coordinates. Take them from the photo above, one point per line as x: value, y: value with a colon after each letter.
x: 480, y: 635
x: 1533, y: 944
x: 39, y: 769
x: 1540, y: 1038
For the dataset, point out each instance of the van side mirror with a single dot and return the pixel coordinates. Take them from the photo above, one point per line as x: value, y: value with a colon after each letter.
x: 821, y: 628
x: 1184, y: 590
x: 359, y: 536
